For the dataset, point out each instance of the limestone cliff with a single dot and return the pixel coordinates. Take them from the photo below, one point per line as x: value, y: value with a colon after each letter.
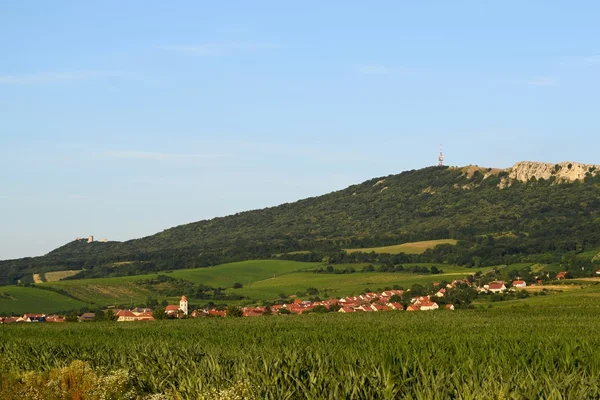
x: 563, y: 172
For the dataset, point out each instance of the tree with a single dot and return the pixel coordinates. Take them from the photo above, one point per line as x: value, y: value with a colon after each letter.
x: 159, y: 313
x: 98, y: 315
x: 395, y: 299
x: 268, y: 310
x: 72, y: 317
x: 151, y: 302
x: 320, y: 309
x: 237, y: 285
x: 110, y: 316
x: 234, y: 311
x: 417, y: 290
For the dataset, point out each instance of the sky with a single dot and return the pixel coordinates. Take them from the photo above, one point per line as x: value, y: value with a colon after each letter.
x: 121, y: 119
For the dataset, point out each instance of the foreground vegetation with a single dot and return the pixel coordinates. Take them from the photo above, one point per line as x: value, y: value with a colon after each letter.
x: 551, y: 353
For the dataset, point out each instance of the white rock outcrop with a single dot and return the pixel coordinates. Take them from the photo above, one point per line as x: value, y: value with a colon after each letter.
x: 566, y: 171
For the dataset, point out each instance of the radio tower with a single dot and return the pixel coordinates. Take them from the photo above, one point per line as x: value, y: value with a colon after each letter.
x: 441, y: 158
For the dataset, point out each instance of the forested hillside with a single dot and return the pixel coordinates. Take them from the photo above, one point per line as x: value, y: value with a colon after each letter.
x: 493, y: 221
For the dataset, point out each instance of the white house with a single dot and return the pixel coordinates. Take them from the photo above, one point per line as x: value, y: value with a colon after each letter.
x: 519, y: 284
x: 429, y: 306
x: 497, y: 287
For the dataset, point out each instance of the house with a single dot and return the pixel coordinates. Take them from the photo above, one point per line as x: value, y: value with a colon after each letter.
x: 428, y: 306
x: 412, y: 307
x: 199, y: 313
x: 441, y: 293
x: 172, y: 309
x: 519, y: 284
x: 395, y: 306
x: 85, y: 317
x: 147, y: 316
x: 8, y: 320
x: 139, y: 311
x: 449, y: 306
x: 379, y: 307
x: 55, y: 318
x: 34, y: 318
x: 126, y: 316
x: 420, y: 299
x: 253, y: 312
x: 496, y: 287
x: 216, y: 313
x: 561, y: 275
x: 598, y: 272
x: 346, y: 309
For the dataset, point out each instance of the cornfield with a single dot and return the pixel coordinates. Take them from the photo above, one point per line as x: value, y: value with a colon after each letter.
x: 472, y: 354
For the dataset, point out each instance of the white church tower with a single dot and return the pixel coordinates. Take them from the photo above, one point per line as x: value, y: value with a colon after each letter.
x: 183, y: 305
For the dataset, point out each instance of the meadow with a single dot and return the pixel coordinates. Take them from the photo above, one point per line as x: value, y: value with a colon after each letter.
x: 498, y: 353
x: 262, y: 280
x: 407, y: 248
x: 20, y: 300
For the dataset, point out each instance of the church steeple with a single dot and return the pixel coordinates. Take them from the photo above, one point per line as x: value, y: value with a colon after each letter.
x: 183, y: 305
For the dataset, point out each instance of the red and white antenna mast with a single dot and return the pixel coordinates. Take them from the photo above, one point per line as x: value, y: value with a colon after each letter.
x: 441, y: 157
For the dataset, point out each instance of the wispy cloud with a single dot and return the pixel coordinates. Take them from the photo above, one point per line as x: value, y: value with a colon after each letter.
x: 374, y: 69
x: 53, y: 77
x: 159, y: 156
x: 220, y: 49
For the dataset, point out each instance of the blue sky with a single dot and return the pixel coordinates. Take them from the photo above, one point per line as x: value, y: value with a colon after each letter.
x: 120, y: 119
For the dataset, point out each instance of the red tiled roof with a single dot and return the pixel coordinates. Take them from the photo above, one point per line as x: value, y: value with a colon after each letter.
x: 496, y: 285
x: 125, y: 313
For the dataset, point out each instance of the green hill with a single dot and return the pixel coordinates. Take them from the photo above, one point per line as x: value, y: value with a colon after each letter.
x: 498, y: 217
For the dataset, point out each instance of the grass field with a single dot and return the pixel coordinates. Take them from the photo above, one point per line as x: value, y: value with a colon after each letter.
x: 58, y: 275
x: 498, y: 353
x: 345, y: 284
x: 407, y: 248
x: 123, y: 290
x: 262, y: 281
x: 32, y: 300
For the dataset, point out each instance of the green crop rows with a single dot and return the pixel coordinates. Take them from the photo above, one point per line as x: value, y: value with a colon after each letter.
x: 476, y: 354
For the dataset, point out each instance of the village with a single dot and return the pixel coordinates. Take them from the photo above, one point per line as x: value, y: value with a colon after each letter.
x: 387, y: 300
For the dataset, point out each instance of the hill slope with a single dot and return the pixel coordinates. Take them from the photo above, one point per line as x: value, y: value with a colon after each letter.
x: 494, y: 213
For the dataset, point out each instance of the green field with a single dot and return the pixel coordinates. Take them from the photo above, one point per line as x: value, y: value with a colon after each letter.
x: 407, y: 248
x: 123, y: 290
x: 262, y: 281
x: 339, y: 285
x: 23, y: 300
x: 508, y: 353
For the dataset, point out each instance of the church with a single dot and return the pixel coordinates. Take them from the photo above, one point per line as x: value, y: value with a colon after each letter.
x: 181, y: 309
